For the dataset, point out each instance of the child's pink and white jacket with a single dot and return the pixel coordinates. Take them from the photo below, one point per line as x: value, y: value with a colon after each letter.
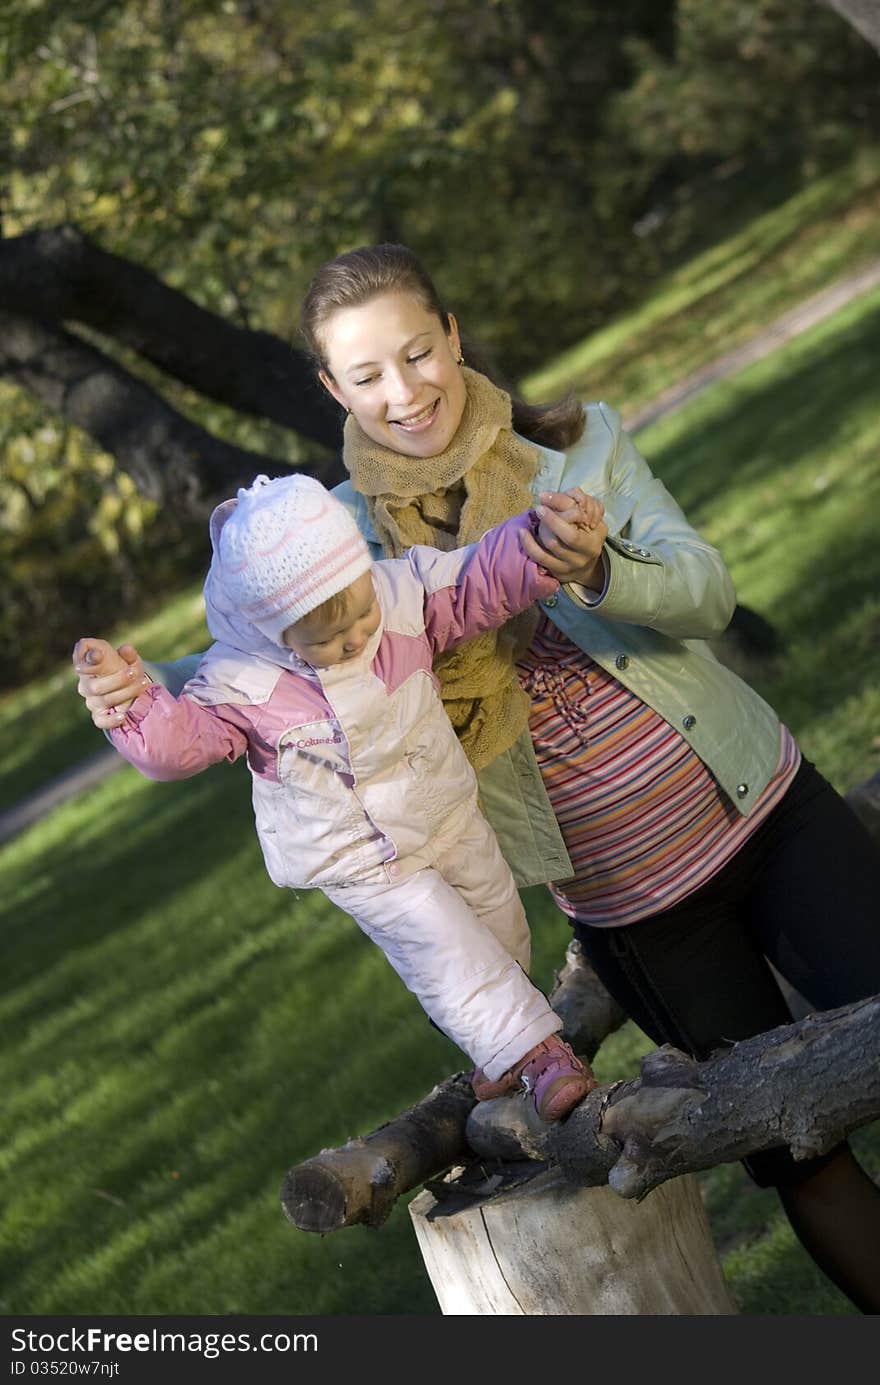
x: 356, y: 768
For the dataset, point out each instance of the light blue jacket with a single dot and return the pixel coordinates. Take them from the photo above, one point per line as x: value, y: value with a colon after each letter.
x: 667, y: 593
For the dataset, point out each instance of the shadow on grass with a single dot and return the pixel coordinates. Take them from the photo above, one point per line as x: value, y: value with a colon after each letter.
x: 177, y: 1033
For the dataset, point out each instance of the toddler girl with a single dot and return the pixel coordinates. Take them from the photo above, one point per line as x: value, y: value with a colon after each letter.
x: 322, y: 673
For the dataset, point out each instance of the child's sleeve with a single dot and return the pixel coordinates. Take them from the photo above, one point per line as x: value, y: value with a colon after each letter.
x: 481, y: 586
x: 174, y: 673
x: 169, y: 737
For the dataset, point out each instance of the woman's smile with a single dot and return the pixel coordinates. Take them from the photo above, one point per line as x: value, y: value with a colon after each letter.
x: 417, y: 423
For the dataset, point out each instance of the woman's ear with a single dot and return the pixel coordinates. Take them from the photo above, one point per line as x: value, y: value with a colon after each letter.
x: 331, y: 387
x: 452, y: 336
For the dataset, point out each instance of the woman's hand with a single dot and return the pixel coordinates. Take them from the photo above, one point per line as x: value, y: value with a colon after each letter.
x: 109, y: 679
x: 571, y: 536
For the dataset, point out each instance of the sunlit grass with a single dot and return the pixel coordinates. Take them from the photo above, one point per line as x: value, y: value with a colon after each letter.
x: 721, y: 298
x: 44, y: 730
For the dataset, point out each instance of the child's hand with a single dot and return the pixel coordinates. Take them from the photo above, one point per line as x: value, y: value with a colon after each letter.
x: 571, y: 534
x: 109, y: 679
x: 581, y: 510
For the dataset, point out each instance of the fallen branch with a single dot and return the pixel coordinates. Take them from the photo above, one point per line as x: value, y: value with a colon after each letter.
x: 805, y: 1085
x: 360, y: 1181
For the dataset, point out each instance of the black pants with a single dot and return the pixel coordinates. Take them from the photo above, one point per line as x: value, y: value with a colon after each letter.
x: 804, y: 891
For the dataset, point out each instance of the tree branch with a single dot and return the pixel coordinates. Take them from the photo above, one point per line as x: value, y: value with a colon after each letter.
x: 166, y: 454
x: 804, y: 1085
x: 360, y: 1181
x: 60, y: 275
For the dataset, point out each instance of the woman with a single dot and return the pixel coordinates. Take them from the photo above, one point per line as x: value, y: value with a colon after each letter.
x: 673, y: 814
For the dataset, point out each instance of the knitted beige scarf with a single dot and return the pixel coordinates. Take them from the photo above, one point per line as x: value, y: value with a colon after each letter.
x: 483, y: 477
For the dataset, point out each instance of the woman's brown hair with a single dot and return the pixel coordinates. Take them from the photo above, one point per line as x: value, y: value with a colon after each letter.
x: 352, y: 279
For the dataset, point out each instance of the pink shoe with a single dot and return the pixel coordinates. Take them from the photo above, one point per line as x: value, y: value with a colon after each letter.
x: 556, y: 1078
x: 487, y: 1088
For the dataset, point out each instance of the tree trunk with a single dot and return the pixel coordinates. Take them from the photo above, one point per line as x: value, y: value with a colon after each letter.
x: 544, y: 1247
x: 167, y: 456
x: 863, y: 15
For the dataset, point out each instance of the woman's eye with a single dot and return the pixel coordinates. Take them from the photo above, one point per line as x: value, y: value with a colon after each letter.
x: 367, y: 380
x: 420, y: 357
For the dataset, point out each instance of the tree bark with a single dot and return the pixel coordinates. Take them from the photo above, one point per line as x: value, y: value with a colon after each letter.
x: 360, y: 1181
x: 59, y: 275
x: 804, y: 1085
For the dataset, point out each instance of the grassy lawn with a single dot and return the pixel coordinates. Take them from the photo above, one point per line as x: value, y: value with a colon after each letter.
x: 44, y: 730
x: 177, y: 1032
x: 723, y: 297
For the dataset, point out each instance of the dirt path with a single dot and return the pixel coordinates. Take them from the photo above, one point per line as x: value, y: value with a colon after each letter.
x: 791, y: 324
x: 807, y: 314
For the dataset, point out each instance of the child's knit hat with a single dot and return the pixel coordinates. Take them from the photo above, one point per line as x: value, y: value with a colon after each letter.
x: 286, y: 546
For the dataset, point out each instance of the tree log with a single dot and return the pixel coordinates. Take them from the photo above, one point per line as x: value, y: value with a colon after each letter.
x: 360, y: 1181
x: 804, y: 1085
x: 545, y: 1247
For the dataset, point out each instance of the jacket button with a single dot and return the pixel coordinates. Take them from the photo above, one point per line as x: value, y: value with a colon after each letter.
x: 742, y: 790
x: 550, y: 601
x: 622, y: 661
x: 689, y: 721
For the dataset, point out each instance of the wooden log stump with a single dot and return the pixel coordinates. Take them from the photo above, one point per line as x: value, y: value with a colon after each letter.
x: 548, y: 1248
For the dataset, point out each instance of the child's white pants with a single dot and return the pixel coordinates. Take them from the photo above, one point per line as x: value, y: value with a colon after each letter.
x: 458, y: 937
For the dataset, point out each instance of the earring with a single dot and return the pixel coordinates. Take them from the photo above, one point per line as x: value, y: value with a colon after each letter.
x: 460, y: 360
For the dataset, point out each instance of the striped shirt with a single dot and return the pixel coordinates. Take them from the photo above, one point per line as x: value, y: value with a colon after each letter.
x: 645, y: 822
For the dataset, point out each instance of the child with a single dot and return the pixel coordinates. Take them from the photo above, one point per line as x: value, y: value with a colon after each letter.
x: 322, y: 673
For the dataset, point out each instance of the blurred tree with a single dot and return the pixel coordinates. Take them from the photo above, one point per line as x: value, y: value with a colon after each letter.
x: 205, y: 157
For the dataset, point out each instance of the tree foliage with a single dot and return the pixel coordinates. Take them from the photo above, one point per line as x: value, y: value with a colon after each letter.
x: 546, y: 161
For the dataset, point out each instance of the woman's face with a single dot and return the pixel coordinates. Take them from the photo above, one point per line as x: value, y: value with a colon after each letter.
x: 392, y: 364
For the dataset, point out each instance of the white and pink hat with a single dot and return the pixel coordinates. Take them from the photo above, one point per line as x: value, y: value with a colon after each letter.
x: 285, y: 546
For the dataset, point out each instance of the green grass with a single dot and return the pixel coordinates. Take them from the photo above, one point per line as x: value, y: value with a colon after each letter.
x: 778, y: 467
x: 44, y: 730
x: 721, y: 298
x: 177, y: 1032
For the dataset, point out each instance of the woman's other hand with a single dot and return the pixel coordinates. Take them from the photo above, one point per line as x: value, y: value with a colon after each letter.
x: 109, y: 679
x: 571, y: 536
